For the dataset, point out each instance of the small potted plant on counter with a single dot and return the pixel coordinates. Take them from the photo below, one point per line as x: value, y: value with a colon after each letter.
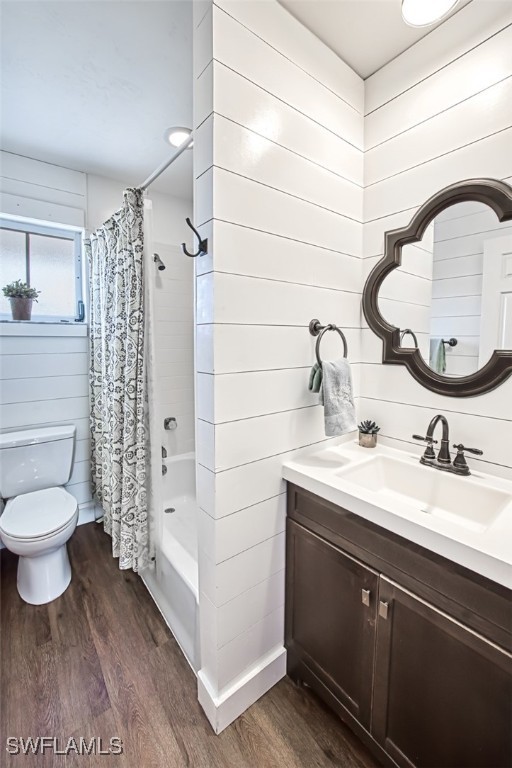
x: 20, y: 296
x: 368, y: 434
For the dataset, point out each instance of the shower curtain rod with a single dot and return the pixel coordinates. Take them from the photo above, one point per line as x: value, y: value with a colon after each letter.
x: 167, y: 163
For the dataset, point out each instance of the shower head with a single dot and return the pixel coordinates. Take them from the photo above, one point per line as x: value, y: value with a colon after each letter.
x: 158, y: 261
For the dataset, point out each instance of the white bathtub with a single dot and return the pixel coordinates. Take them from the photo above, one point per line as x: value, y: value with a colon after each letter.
x: 179, y: 535
x: 173, y: 582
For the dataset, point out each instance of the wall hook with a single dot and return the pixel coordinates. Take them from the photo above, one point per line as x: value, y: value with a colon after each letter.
x: 203, y: 244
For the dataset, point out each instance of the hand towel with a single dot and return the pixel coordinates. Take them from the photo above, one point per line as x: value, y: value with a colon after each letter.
x: 315, y: 378
x: 337, y: 398
x: 437, y: 355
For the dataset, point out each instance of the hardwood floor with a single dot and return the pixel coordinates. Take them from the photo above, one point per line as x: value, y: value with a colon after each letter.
x: 100, y: 662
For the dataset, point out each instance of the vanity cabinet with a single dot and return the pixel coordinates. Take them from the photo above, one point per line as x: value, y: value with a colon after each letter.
x: 393, y: 638
x: 327, y: 592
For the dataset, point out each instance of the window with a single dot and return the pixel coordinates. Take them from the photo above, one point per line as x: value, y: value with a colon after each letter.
x: 48, y: 259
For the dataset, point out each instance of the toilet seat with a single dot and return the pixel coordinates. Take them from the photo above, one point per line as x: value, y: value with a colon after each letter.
x: 39, y: 514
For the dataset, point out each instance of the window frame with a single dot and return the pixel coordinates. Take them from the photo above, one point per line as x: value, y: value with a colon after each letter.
x: 61, y: 232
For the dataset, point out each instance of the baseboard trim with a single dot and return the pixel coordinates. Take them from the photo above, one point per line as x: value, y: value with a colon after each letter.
x: 88, y: 512
x: 221, y: 710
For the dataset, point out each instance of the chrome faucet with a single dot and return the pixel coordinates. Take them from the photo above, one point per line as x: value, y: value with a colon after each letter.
x: 443, y: 459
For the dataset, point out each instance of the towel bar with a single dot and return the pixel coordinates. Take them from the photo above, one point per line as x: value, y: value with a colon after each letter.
x: 317, y: 329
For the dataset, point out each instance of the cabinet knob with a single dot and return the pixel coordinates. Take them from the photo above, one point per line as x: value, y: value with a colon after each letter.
x: 383, y: 609
x: 365, y: 596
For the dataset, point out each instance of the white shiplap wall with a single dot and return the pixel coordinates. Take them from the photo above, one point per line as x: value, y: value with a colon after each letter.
x: 43, y: 382
x: 278, y: 191
x: 439, y: 113
x: 44, y: 368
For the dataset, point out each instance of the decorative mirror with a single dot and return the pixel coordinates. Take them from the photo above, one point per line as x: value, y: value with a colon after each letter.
x: 441, y: 297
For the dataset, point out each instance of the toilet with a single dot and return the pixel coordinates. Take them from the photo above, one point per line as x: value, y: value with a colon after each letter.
x: 39, y: 516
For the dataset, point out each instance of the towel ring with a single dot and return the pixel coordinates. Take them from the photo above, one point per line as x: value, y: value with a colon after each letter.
x: 317, y: 329
x: 407, y: 331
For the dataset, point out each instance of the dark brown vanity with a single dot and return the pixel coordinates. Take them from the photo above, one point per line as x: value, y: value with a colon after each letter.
x: 412, y: 651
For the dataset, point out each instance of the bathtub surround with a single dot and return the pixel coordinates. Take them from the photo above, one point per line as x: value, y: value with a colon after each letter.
x: 173, y: 326
x: 278, y: 189
x: 278, y: 154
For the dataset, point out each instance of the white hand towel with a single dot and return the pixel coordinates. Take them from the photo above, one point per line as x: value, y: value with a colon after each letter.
x: 337, y: 398
x: 438, y: 355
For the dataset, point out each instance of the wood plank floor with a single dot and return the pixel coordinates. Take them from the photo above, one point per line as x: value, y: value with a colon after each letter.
x: 100, y: 661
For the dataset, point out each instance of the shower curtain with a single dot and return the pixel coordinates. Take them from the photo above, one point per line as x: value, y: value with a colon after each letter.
x: 118, y: 420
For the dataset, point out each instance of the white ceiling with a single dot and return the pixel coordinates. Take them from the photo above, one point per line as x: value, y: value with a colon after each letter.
x: 93, y: 85
x: 366, y: 34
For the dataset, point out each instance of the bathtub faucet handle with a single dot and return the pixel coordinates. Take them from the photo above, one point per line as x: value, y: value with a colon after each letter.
x: 164, y: 452
x: 170, y: 423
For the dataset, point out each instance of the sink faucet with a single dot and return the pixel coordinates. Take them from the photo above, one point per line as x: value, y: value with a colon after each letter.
x: 444, y: 452
x: 443, y: 460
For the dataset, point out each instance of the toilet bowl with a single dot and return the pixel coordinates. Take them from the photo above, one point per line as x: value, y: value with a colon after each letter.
x: 37, y: 526
x: 40, y: 516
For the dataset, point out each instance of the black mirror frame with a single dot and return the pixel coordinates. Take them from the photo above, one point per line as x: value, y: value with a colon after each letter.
x: 498, y: 196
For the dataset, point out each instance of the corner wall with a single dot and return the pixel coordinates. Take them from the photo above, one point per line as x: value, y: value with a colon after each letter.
x: 278, y: 191
x: 439, y: 113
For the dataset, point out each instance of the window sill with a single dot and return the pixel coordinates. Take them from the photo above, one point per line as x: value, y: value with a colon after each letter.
x: 41, y: 328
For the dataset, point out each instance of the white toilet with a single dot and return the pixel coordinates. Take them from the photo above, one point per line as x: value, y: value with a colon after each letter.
x: 39, y: 516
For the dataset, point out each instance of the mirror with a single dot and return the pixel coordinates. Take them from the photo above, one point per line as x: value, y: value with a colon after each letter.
x: 455, y: 290
x: 441, y: 298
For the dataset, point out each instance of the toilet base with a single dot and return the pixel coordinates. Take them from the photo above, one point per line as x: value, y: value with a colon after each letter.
x: 44, y: 577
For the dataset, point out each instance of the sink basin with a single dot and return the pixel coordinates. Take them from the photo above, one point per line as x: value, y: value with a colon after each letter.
x: 467, y: 520
x: 430, y: 491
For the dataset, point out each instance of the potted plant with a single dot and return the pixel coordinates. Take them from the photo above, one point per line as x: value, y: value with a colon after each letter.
x: 21, y: 296
x: 368, y: 434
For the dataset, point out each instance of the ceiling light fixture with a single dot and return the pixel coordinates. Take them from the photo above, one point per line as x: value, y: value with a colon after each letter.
x: 177, y: 136
x: 421, y: 13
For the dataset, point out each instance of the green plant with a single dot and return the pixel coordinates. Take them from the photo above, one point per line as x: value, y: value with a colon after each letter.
x: 368, y: 427
x: 20, y: 290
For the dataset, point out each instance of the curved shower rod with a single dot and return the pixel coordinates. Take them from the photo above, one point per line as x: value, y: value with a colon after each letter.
x: 161, y: 168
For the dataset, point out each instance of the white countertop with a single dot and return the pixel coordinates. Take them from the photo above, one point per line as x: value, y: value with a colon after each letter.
x: 485, y: 548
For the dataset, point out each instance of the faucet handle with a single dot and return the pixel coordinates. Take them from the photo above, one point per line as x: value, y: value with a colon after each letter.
x: 461, y: 448
x: 460, y: 462
x: 428, y: 440
x: 429, y: 454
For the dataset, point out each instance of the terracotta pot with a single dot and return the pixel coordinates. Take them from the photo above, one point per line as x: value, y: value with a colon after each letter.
x: 21, y: 308
x: 367, y: 441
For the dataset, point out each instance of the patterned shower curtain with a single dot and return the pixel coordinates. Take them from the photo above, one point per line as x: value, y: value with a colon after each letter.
x: 117, y: 380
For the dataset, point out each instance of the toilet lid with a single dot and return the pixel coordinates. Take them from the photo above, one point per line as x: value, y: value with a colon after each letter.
x: 37, y: 514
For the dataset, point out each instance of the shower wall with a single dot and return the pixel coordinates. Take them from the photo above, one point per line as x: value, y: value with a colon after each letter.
x: 174, y: 346
x: 172, y: 316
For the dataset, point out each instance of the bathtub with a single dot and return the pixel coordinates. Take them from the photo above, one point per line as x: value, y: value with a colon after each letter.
x: 173, y: 581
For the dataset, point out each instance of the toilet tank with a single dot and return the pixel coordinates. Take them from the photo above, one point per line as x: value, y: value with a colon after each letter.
x: 35, y: 459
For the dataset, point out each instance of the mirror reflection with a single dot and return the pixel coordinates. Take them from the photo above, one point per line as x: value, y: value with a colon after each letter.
x: 452, y: 295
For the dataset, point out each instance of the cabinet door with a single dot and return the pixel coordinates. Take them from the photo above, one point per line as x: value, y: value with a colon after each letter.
x: 443, y: 694
x: 331, y: 604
